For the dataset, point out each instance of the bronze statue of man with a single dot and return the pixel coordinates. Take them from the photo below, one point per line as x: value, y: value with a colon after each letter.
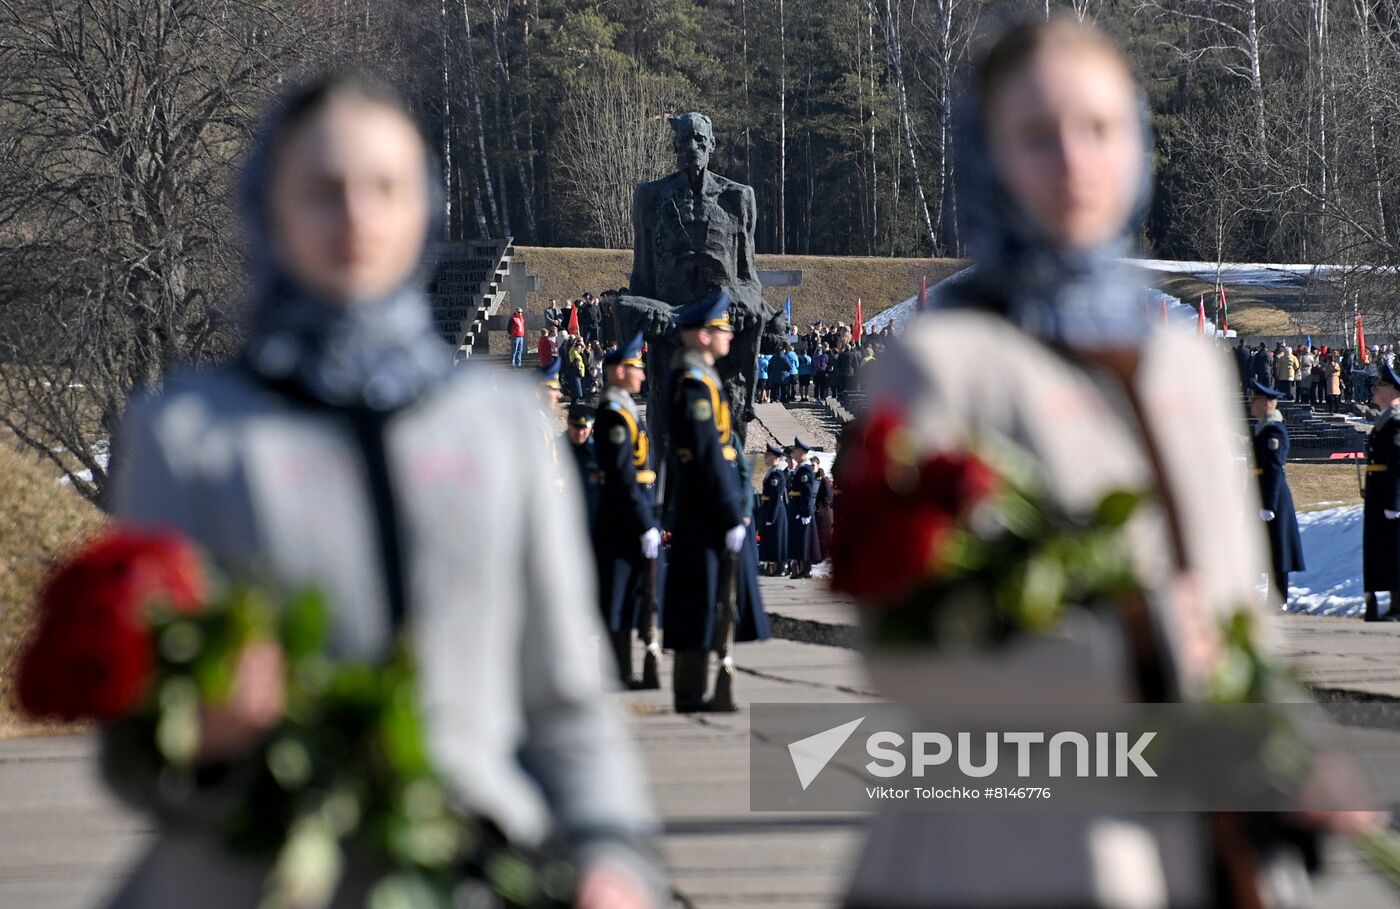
x: 694, y: 232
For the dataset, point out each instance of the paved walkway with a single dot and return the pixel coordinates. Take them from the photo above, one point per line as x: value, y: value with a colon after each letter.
x: 64, y: 843
x: 780, y: 423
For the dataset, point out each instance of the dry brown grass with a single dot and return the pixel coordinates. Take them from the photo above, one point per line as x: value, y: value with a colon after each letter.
x: 40, y: 522
x: 1319, y: 486
x: 830, y: 284
x: 1253, y: 310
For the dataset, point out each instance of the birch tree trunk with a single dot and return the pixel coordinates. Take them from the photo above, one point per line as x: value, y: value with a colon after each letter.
x: 895, y: 56
x: 473, y: 92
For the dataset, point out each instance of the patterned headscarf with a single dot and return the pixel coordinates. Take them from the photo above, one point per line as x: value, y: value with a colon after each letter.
x: 1083, y: 298
x: 382, y: 354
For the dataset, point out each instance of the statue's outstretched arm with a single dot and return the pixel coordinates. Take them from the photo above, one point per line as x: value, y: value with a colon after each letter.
x: 651, y: 317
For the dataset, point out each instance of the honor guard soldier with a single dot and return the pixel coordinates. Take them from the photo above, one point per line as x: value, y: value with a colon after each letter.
x: 712, y: 597
x: 772, y: 513
x: 580, y: 435
x: 627, y: 536
x: 1380, y: 546
x: 802, y: 504
x: 1270, y: 439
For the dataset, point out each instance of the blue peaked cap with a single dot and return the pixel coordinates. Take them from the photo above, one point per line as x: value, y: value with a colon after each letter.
x: 631, y: 350
x: 1261, y: 389
x: 710, y: 309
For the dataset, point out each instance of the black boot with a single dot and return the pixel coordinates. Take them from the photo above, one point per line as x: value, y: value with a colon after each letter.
x: 622, y: 653
x: 689, y: 679
x: 1373, y: 608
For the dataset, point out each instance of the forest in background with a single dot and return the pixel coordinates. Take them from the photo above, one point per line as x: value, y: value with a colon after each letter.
x: 122, y: 123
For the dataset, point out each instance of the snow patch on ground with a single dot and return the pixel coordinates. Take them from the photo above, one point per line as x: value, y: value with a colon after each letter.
x: 1332, y: 551
x: 102, y: 451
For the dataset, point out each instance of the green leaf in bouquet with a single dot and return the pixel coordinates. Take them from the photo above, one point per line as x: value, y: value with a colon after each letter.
x: 1117, y: 507
x: 289, y: 762
x: 558, y: 881
x: 961, y: 553
x: 342, y: 811
x: 356, y: 684
x: 311, y: 676
x: 1382, y: 849
x: 427, y: 843
x: 308, y: 869
x: 1038, y: 595
x: 402, y: 734
x: 305, y: 625
x: 511, y: 877
x: 177, y: 724
x: 1019, y: 515
x: 407, y: 890
x: 181, y: 641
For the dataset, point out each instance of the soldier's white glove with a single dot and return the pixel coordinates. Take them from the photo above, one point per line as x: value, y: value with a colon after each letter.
x: 734, y: 538
x: 1392, y: 515
x: 651, y: 544
x: 804, y: 520
x: 1265, y: 515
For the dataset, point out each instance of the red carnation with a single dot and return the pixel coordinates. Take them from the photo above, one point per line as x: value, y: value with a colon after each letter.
x: 897, y: 510
x: 92, y: 656
x: 91, y: 667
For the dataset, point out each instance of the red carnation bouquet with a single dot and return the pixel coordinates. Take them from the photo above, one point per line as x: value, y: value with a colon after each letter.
x: 134, y: 635
x: 965, y: 546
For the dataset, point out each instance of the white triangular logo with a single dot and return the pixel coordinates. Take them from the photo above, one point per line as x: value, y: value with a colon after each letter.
x: 812, y: 754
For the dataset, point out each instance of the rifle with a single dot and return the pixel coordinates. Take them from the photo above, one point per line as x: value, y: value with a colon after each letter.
x: 651, y: 663
x: 728, y: 605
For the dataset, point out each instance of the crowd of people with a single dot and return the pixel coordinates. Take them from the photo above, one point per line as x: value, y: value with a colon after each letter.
x: 823, y: 361
x: 1321, y: 376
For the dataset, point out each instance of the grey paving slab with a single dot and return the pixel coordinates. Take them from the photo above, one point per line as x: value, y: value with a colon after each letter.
x: 780, y: 423
x: 64, y: 843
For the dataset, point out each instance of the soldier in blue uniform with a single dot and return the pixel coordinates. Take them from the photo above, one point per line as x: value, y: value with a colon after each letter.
x: 772, y: 514
x: 627, y: 537
x: 712, y: 580
x: 802, y: 505
x: 1270, y: 439
x: 590, y: 478
x: 1380, y: 547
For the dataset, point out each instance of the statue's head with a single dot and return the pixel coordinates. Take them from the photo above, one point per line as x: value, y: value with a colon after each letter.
x: 694, y: 142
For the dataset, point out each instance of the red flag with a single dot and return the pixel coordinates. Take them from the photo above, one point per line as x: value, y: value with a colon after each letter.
x: 573, y: 319
x: 1361, y: 341
x: 859, y: 328
x: 923, y: 294
x: 1201, y: 317
x: 1224, y: 314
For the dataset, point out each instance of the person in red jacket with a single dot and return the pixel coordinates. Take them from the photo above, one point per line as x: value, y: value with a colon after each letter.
x: 546, y: 348
x: 516, y: 330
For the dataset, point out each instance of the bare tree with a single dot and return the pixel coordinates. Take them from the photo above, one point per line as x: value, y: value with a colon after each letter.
x: 122, y: 119
x: 888, y: 17
x: 1231, y: 34
x: 614, y: 127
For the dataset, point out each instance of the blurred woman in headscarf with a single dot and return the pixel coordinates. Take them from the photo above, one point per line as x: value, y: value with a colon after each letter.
x: 1045, y: 344
x: 341, y: 452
